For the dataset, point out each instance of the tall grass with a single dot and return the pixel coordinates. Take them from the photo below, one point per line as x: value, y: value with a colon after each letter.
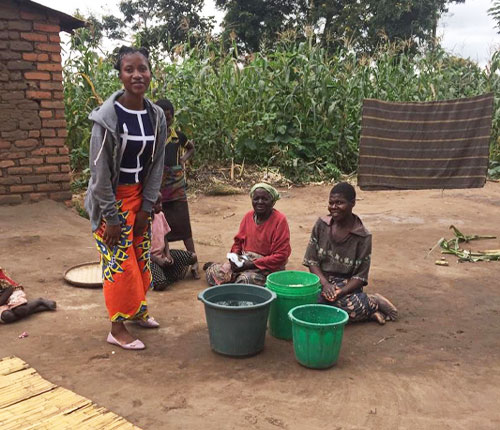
x: 297, y: 107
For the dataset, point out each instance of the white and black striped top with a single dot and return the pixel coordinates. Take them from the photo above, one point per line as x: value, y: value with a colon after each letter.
x: 137, y: 139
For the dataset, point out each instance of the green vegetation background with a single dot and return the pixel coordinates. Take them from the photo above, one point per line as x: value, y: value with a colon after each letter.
x: 296, y: 107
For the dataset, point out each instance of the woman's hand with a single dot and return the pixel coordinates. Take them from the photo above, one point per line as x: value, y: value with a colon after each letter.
x: 330, y: 292
x: 112, y: 234
x: 169, y: 260
x: 141, y: 222
x: 247, y: 265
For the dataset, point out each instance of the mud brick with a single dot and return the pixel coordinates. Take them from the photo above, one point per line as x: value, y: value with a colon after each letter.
x: 31, y: 56
x: 47, y: 28
x: 21, y: 46
x: 61, y: 177
x: 21, y: 188
x: 48, y: 187
x: 19, y: 25
x: 44, y: 151
x: 16, y: 134
x: 14, y: 155
x: 58, y: 141
x: 6, y: 163
x: 10, y: 199
x: 37, y: 76
x: 48, y: 104
x: 19, y: 170
x: 34, y: 37
x: 62, y: 132
x: 26, y: 143
x: 31, y: 161
x: 37, y: 95
x: 34, y: 133
x: 47, y: 47
x: 9, y: 180
x: 50, y: 86
x: 57, y: 159
x: 51, y: 67
x: 48, y: 132
x: 5, y: 144
x: 47, y: 169
x: 55, y: 123
x: 64, y: 150
x: 13, y: 95
x: 20, y: 65
x: 45, y: 113
x: 34, y: 179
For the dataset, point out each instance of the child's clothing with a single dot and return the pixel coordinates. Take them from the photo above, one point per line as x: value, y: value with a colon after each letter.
x: 163, y: 276
x: 18, y: 296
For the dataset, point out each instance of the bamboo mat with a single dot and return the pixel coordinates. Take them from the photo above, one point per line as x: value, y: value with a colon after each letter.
x: 29, y: 402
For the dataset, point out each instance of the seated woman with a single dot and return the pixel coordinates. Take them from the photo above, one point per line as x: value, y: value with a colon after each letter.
x: 167, y: 266
x: 262, y: 244
x: 339, y: 253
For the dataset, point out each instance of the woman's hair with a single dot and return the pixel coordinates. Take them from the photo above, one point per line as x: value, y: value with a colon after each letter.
x: 166, y: 104
x: 127, y: 50
x: 346, y: 189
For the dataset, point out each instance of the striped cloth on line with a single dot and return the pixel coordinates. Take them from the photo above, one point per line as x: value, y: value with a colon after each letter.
x: 423, y: 145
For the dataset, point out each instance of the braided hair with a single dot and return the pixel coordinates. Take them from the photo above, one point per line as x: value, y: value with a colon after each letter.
x: 127, y: 50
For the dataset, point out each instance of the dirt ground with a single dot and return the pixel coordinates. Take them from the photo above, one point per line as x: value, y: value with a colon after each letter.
x: 437, y: 368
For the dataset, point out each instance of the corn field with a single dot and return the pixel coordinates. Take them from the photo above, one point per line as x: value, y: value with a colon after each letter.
x: 297, y: 108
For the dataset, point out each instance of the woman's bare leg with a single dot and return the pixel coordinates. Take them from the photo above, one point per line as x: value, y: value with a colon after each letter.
x: 379, y: 317
x: 386, y: 307
x: 189, y: 244
x: 120, y: 333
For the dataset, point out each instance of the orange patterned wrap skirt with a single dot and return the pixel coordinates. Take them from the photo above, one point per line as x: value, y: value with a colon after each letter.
x: 126, y: 267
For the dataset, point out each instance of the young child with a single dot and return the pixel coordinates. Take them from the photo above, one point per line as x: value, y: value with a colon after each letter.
x: 167, y: 266
x: 13, y: 302
x: 178, y: 150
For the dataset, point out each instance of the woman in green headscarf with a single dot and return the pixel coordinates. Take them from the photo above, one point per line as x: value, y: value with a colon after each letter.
x: 261, y: 246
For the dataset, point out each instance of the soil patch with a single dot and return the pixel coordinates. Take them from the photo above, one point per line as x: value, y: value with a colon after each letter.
x: 438, y: 367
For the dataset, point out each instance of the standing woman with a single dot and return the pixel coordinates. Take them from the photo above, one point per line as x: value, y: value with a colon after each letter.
x: 173, y: 187
x: 126, y: 166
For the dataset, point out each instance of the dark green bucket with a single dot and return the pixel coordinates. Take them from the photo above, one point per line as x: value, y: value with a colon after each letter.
x: 293, y: 288
x: 237, y: 330
x: 317, y: 334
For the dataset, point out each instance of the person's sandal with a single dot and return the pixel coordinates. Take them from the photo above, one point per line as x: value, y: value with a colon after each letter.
x: 135, y: 345
x: 150, y: 322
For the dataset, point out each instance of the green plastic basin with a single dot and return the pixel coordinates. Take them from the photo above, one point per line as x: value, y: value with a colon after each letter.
x: 317, y: 334
x: 293, y: 288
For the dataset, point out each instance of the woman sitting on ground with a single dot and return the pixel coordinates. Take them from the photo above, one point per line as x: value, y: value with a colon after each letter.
x: 339, y: 252
x: 261, y: 246
x: 167, y: 266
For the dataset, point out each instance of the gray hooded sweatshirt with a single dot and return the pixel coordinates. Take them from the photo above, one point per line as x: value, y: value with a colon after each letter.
x: 105, y: 160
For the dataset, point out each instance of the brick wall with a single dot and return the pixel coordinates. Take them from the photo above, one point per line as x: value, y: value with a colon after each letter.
x: 34, y: 160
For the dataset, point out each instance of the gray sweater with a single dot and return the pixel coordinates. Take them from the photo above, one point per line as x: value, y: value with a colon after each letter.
x: 105, y: 160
